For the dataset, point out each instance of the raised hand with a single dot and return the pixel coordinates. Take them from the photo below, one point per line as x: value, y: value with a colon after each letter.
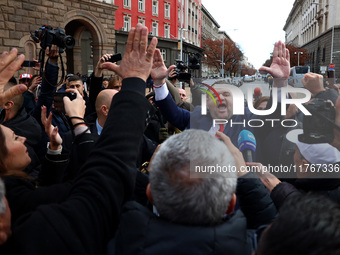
x: 75, y: 108
x: 9, y: 64
x: 159, y: 71
x: 51, y: 131
x: 280, y: 67
x: 313, y: 82
x: 138, y: 59
x: 99, y: 68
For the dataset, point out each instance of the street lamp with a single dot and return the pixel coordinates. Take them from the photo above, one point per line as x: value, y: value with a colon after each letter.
x: 298, y: 53
x: 334, y: 8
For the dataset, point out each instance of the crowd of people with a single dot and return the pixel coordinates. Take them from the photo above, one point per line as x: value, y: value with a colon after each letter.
x: 113, y: 171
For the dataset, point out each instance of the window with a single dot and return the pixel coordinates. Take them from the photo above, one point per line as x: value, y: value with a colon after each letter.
x: 167, y: 31
x: 155, y: 8
x: 127, y: 23
x: 167, y: 11
x: 323, y: 54
x: 163, y: 52
x: 127, y: 3
x: 141, y: 5
x: 155, y: 29
x: 141, y: 21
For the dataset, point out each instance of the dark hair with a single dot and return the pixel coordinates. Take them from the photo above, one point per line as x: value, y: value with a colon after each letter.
x: 75, y: 78
x: 115, y: 78
x: 260, y: 100
x: 307, y: 224
x: 3, y: 155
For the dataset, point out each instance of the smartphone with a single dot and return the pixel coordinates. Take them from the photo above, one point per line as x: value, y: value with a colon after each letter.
x: 28, y: 63
x: 70, y: 95
x: 115, y: 58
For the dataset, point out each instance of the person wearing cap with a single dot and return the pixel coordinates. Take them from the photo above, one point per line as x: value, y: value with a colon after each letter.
x: 315, y: 166
x: 24, y: 78
x: 257, y: 93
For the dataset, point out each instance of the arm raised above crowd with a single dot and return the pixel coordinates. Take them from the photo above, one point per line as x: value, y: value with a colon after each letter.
x: 280, y: 66
x: 138, y: 59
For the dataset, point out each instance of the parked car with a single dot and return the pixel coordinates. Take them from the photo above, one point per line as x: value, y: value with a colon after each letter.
x: 296, y: 75
x: 248, y: 78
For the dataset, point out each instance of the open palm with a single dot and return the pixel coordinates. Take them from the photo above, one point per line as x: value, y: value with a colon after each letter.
x: 280, y: 67
x: 159, y: 71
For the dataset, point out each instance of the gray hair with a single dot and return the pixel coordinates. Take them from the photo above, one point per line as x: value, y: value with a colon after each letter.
x: 2, y: 196
x: 182, y: 199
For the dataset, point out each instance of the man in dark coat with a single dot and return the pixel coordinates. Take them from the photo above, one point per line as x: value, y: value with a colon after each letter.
x: 190, y: 202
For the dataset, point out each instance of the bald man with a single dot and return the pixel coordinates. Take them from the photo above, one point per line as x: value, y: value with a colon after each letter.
x: 103, y: 103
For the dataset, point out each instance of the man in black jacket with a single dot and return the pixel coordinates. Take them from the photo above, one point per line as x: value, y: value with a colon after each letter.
x: 87, y: 219
x: 194, y: 201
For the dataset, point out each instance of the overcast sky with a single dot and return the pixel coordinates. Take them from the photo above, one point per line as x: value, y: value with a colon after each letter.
x: 259, y: 22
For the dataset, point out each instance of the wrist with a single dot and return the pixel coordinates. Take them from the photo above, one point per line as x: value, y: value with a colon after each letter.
x: 158, y: 83
x: 98, y: 72
x: 54, y: 146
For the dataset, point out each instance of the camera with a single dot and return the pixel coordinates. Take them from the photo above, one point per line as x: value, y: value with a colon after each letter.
x: 182, y: 76
x: 318, y: 127
x: 47, y: 36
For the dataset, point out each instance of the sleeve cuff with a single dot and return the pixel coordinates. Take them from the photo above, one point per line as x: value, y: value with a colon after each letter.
x: 53, y: 152
x: 161, y: 92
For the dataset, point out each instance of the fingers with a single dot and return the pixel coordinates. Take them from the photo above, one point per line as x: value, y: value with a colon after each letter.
x: 276, y: 50
x: 43, y: 115
x: 9, y: 64
x: 157, y: 56
x: 171, y: 69
x: 287, y: 55
x: 151, y: 49
x: 144, y: 39
x: 12, y: 92
x: 136, y: 40
x: 130, y: 39
x: 265, y: 69
x: 111, y: 67
x: 227, y: 141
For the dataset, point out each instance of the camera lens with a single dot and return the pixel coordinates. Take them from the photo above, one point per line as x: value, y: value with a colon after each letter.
x: 69, y: 42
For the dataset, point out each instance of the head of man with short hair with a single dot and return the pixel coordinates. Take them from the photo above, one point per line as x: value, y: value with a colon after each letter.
x: 183, y: 94
x: 224, y: 110
x: 12, y: 106
x: 183, y: 195
x: 76, y: 82
x: 307, y: 224
x: 103, y: 103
